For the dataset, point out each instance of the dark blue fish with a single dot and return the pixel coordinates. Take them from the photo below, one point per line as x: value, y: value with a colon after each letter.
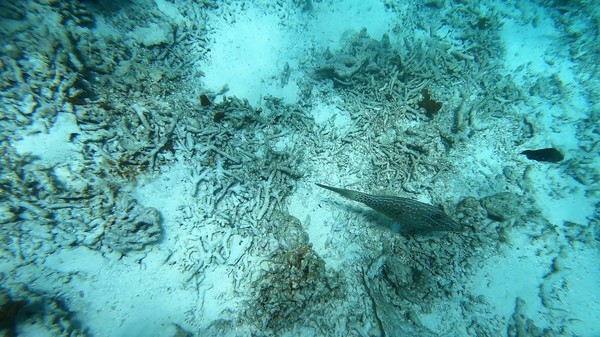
x: 551, y: 155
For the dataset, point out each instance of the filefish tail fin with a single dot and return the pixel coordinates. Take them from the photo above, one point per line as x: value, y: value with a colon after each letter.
x: 352, y: 195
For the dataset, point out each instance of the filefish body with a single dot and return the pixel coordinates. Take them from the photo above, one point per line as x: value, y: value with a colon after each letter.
x: 409, y: 213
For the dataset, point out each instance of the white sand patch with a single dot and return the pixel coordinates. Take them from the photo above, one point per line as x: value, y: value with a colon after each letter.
x: 325, y: 225
x: 560, y: 197
x: 580, y: 297
x: 78, y: 259
x: 305, y: 205
x: 250, y: 48
x: 529, y: 45
x: 207, y: 294
x: 538, y: 49
x: 138, y: 295
x: 518, y: 272
x: 167, y: 192
x: 170, y: 10
x: 525, y: 270
x: 326, y: 114
x: 153, y: 35
x: 332, y: 19
x: 54, y: 147
x: 144, y: 293
x: 249, y: 54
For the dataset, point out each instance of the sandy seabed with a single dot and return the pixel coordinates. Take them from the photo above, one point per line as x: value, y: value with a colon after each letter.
x: 159, y: 161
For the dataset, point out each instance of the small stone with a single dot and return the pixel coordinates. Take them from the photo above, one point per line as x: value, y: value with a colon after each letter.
x: 501, y: 206
x: 375, y: 332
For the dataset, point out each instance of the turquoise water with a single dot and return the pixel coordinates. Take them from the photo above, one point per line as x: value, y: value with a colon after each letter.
x: 159, y: 161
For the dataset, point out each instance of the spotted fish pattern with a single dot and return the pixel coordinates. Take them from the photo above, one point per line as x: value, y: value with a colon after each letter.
x: 411, y: 214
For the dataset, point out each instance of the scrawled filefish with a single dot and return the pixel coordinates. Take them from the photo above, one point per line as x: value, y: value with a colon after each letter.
x: 411, y: 214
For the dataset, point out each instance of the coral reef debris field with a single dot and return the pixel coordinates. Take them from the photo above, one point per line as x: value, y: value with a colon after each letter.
x: 162, y: 165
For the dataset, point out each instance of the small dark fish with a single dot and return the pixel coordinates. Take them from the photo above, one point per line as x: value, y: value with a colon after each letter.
x: 551, y: 155
x: 431, y: 107
x: 204, y: 100
x: 409, y: 213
